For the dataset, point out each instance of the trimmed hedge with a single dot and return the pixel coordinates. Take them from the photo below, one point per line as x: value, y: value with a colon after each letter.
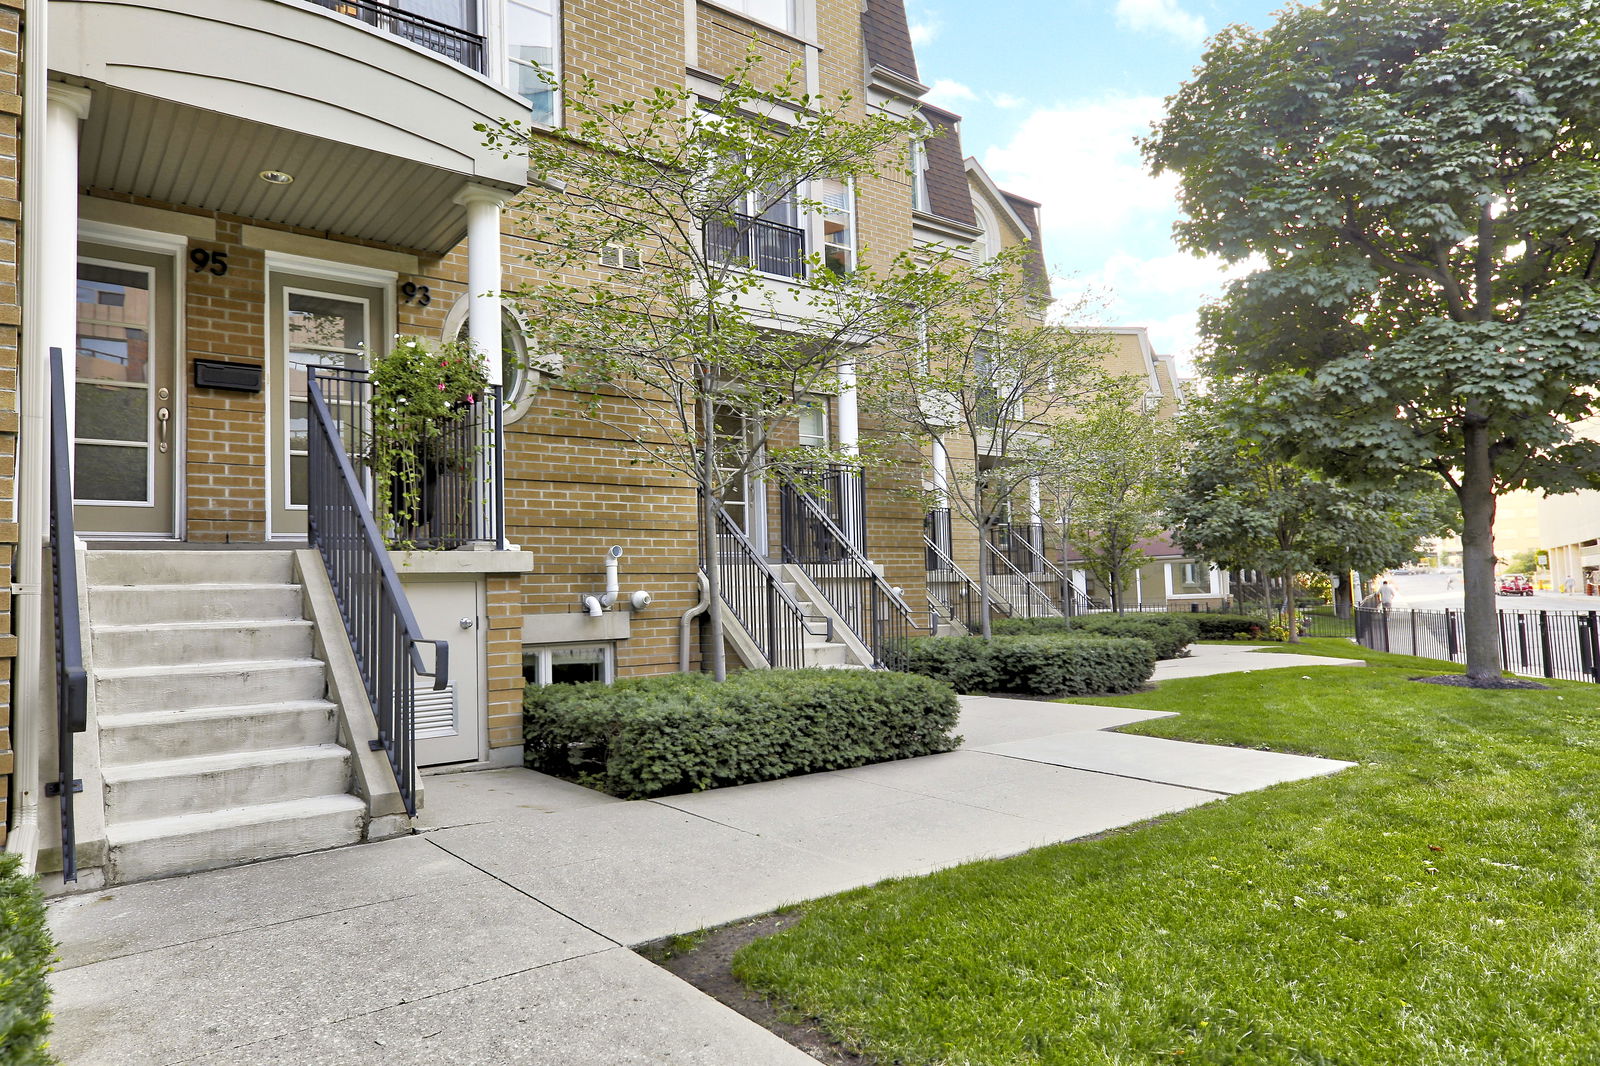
x: 26, y: 952
x: 1034, y: 665
x: 685, y: 732
x: 1229, y: 626
x: 1170, y: 633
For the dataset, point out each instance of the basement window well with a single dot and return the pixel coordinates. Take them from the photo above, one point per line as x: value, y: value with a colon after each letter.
x: 568, y: 664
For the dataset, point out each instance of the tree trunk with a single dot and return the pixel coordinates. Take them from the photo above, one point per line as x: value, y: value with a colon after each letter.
x: 1480, y: 621
x: 1290, y: 618
x: 1343, y: 595
x: 708, y: 540
x: 984, y: 605
x: 1068, y: 599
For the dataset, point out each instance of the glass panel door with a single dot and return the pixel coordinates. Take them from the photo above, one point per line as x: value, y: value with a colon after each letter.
x: 124, y: 437
x: 314, y: 323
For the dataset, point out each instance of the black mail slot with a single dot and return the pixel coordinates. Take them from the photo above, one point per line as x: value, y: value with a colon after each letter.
x: 235, y: 377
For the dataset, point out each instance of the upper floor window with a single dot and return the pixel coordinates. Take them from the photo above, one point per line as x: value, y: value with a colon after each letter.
x: 919, y: 172
x: 532, y: 33
x: 779, y: 13
x: 838, y: 224
x: 812, y: 422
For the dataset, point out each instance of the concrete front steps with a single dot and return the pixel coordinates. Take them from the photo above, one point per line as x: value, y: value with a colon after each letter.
x: 218, y: 745
x: 819, y: 648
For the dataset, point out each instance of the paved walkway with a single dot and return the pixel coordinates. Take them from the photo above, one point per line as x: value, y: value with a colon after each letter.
x: 501, y: 933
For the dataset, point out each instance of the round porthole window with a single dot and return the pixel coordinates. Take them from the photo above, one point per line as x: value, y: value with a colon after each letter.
x: 516, y: 377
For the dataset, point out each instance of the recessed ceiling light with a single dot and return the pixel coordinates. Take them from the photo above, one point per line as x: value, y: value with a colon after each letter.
x: 276, y: 177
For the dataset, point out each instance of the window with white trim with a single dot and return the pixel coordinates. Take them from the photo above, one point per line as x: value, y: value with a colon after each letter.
x: 568, y: 664
x: 813, y: 424
x: 838, y: 212
x: 779, y: 13
x: 532, y: 36
x: 919, y: 171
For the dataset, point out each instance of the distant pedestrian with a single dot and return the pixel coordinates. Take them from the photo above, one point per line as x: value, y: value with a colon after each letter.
x: 1568, y: 585
x: 1386, y: 596
x: 1449, y: 584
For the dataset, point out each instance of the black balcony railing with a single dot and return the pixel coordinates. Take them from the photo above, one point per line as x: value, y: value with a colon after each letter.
x: 72, y: 683
x: 749, y: 588
x: 454, y: 495
x: 770, y: 247
x: 1022, y: 544
x: 839, y: 569
x: 377, y: 616
x: 940, y: 537
x: 455, y: 40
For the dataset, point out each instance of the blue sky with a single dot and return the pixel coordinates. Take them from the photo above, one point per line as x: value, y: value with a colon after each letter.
x: 1053, y: 93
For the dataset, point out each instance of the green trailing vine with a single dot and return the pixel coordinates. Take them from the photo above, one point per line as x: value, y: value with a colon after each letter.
x: 421, y: 396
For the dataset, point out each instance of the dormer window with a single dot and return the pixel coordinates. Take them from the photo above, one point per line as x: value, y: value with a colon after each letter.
x: 919, y: 172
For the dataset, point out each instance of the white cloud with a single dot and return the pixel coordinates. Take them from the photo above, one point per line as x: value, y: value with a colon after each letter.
x: 1161, y: 16
x: 1081, y: 162
x: 945, y: 93
x: 925, y: 31
x: 1006, y: 100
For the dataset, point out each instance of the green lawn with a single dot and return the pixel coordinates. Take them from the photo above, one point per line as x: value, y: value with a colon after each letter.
x: 1435, y: 905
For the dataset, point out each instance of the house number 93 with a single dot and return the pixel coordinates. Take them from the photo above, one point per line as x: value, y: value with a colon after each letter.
x: 411, y: 292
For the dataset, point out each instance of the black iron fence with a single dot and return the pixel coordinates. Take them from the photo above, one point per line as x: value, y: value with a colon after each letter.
x: 849, y: 582
x: 1024, y: 597
x: 1557, y: 644
x: 770, y: 247
x: 383, y: 631
x: 952, y: 595
x: 456, y: 42
x: 72, y: 682
x: 757, y: 598
x: 450, y: 494
x: 839, y: 494
x: 1022, y: 545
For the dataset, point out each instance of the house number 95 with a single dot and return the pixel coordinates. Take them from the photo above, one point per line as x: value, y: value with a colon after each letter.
x: 204, y: 260
x: 411, y: 292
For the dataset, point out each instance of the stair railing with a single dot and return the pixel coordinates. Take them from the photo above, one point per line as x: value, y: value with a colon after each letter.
x: 869, y: 605
x: 954, y: 594
x: 752, y: 590
x: 383, y: 630
x: 72, y: 681
x: 1027, y: 600
x: 1031, y: 548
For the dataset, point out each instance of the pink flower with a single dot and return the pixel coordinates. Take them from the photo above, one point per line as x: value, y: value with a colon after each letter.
x: 441, y: 386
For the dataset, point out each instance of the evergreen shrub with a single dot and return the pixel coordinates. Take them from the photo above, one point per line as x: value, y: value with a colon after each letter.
x: 685, y: 732
x: 26, y: 953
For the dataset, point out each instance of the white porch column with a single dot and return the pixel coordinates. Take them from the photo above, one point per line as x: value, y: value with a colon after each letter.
x: 849, y: 442
x: 941, y: 474
x: 483, y: 274
x: 58, y: 234
x: 1035, y: 514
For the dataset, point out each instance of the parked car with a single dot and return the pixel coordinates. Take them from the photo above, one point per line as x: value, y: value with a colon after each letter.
x: 1516, y: 585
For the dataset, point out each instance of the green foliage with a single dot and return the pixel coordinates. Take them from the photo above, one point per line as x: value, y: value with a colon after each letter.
x: 1524, y: 562
x: 1169, y: 634
x: 1045, y: 665
x: 1217, y: 626
x: 687, y: 732
x: 26, y: 954
x: 1418, y: 182
x: 1106, y: 483
x: 420, y: 397
x: 1431, y: 906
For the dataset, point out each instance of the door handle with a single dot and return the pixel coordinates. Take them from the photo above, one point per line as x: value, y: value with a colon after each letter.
x: 163, y: 416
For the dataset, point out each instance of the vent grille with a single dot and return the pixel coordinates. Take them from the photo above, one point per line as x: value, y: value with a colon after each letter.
x: 620, y: 257
x: 435, y: 712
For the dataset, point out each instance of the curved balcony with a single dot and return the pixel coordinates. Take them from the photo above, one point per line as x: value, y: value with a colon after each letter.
x: 371, y: 113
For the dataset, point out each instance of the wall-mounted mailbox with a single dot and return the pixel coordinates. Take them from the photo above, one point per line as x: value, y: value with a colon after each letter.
x: 234, y: 377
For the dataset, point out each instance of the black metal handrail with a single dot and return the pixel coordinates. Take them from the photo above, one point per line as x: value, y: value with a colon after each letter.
x: 1026, y: 598
x: 755, y: 594
x: 758, y: 243
x: 869, y: 605
x: 451, y: 496
x: 1563, y: 644
x: 840, y: 493
x: 1022, y: 543
x: 377, y: 616
x: 72, y: 681
x: 953, y: 594
x: 456, y: 43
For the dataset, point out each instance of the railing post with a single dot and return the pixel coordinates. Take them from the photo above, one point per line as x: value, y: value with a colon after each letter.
x: 1414, y: 650
x: 1593, y: 645
x: 1451, y: 647
x: 1544, y: 643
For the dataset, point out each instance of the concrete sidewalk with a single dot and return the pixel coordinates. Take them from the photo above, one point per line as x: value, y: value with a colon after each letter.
x: 501, y: 933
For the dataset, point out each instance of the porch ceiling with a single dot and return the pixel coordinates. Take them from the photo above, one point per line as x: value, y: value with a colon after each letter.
x: 178, y: 154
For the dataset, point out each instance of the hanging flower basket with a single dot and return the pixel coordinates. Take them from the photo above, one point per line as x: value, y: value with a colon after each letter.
x: 424, y: 406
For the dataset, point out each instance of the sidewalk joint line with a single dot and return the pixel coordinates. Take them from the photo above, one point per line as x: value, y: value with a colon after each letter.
x: 524, y: 892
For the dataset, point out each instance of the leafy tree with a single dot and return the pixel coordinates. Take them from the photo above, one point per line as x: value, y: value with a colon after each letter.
x: 1524, y: 562
x: 1244, y: 510
x: 988, y: 376
x: 1418, y: 182
x: 656, y: 226
x: 1107, y: 482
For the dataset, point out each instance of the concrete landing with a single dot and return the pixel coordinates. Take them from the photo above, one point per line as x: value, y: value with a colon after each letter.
x: 1204, y: 660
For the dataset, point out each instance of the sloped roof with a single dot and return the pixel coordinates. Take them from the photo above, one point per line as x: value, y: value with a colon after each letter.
x: 887, y: 37
x: 949, y: 196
